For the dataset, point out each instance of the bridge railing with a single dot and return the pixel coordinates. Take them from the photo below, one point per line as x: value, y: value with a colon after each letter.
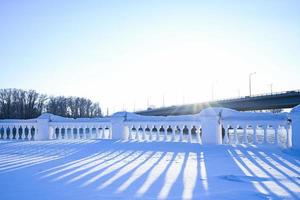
x: 80, y: 130
x: 211, y: 126
x: 256, y: 128
x: 158, y: 128
x: 18, y: 129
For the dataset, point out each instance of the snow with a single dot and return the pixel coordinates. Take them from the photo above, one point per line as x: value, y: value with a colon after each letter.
x: 112, y: 169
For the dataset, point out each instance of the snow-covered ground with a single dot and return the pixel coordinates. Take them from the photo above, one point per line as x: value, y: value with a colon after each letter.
x: 107, y: 169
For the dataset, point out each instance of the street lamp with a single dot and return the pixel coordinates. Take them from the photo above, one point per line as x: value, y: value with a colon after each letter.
x: 271, y: 87
x: 250, y: 75
x: 213, y: 89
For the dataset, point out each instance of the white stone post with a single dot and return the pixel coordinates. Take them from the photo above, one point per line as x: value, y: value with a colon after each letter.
x: 295, y: 134
x: 118, y: 129
x: 211, y: 126
x: 42, y: 131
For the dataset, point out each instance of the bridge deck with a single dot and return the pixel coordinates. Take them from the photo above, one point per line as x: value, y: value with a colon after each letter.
x: 280, y: 100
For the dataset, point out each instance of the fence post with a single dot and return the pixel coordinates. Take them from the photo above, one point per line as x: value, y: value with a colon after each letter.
x: 43, y: 132
x: 119, y: 130
x: 295, y: 117
x: 211, y: 126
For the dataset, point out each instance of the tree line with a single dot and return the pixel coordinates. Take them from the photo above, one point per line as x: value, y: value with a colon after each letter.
x: 26, y: 104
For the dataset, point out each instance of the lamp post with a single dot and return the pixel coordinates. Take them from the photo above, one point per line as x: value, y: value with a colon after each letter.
x: 213, y: 90
x: 250, y: 75
x: 271, y: 87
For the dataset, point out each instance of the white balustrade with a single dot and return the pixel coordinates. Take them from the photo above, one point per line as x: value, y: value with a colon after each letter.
x: 236, y: 128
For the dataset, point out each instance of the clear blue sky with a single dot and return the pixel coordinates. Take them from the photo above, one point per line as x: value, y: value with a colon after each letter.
x: 122, y: 52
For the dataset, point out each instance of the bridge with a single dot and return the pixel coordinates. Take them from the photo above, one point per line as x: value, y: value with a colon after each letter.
x: 280, y: 100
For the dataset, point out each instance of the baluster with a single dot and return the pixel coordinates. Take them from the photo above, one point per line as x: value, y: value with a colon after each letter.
x: 144, y: 132
x: 60, y: 133
x: 6, y: 133
x: 137, y: 137
x: 151, y: 133
x: 64, y: 136
x: 129, y: 132
x: 288, y: 136
x: 236, y: 139
x: 85, y: 133
x: 79, y: 135
x: 17, y: 133
x: 109, y: 132
x: 165, y: 132
x: 245, y: 138
x: 198, y: 134
x: 74, y: 129
x: 104, y: 134
x: 101, y: 132
x: 173, y: 132
x: 181, y: 134
x: 33, y: 130
x: 91, y: 133
x: 226, y: 136
x: 98, y: 132
x: 158, y: 133
x: 190, y: 134
x: 265, y: 134
x: 276, y: 141
x: 70, y: 133
x: 54, y: 133
x: 254, y: 134
x: 66, y: 133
